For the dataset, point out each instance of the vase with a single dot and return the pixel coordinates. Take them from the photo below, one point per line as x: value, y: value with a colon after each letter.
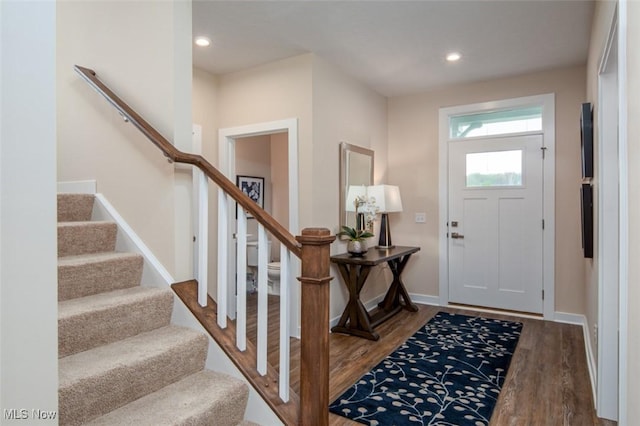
x: 356, y: 248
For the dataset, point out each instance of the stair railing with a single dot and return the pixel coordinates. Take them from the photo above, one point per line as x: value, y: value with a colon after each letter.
x: 312, y: 247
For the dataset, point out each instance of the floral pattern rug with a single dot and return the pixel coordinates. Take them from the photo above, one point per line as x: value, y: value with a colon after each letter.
x: 449, y: 372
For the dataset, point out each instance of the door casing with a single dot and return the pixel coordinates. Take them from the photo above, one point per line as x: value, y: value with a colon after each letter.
x: 547, y: 101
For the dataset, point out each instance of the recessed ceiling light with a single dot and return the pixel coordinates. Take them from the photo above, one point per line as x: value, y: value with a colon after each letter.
x: 453, y: 56
x: 202, y: 41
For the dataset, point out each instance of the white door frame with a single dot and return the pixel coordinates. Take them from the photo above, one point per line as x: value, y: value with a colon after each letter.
x: 547, y: 101
x: 623, y: 359
x: 226, y: 155
x: 608, y: 260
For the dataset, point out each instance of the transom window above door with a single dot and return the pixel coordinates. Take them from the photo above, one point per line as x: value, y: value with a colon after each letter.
x: 506, y: 121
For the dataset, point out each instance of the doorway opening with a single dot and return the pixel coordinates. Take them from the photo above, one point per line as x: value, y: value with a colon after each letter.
x: 243, y: 152
x: 531, y: 117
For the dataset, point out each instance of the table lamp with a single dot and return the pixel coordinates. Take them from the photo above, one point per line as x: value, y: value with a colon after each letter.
x: 387, y: 198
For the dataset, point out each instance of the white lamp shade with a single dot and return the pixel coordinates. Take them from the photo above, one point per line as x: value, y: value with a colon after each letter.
x: 387, y: 197
x: 354, y: 192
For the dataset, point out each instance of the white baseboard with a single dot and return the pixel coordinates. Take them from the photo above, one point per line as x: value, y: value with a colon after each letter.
x: 581, y: 320
x: 425, y: 299
x: 78, y: 187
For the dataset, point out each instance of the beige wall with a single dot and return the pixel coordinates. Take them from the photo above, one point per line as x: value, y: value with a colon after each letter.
x: 413, y: 165
x: 253, y: 158
x: 344, y: 110
x: 140, y: 66
x: 279, y: 184
x: 266, y: 156
x: 205, y: 113
x: 633, y: 136
x: 276, y: 91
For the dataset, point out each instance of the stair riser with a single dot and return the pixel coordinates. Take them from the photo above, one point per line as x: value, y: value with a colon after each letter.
x: 96, y: 328
x: 75, y: 207
x: 94, y: 237
x: 95, y: 396
x: 93, y: 278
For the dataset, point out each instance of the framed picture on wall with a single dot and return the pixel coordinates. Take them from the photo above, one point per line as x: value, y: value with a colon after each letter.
x: 253, y: 186
x: 586, y: 140
x: 586, y: 203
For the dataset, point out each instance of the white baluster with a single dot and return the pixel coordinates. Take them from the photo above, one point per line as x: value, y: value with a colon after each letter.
x: 203, y: 235
x: 284, y: 322
x: 223, y: 250
x: 263, y: 290
x: 241, y: 279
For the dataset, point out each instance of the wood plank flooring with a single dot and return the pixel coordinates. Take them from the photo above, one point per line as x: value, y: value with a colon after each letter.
x: 547, y: 383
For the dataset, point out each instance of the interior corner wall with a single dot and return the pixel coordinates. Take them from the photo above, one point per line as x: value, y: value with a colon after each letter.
x: 344, y: 110
x: 28, y: 239
x: 413, y: 165
x: 93, y: 140
x: 205, y: 113
x: 182, y: 138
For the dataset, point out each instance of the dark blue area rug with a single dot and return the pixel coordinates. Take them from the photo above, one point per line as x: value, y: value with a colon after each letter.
x: 449, y: 372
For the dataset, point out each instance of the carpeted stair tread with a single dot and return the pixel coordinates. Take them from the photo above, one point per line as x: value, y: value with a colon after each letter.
x: 91, y: 321
x: 87, y: 274
x: 95, y: 382
x: 204, y: 398
x: 75, y: 207
x: 86, y: 237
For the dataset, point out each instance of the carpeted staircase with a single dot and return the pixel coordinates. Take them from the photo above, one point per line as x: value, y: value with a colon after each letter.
x: 121, y: 361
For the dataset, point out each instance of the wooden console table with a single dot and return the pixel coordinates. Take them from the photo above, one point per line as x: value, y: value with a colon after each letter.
x: 355, y: 319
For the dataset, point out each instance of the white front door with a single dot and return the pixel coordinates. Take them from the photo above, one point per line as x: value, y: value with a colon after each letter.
x: 496, y: 222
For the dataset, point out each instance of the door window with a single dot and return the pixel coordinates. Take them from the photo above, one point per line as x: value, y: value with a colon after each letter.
x: 497, y: 168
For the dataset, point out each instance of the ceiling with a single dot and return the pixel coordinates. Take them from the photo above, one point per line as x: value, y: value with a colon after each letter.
x: 397, y: 47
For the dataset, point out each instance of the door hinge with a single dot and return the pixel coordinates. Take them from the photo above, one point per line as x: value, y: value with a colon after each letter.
x: 542, y: 294
x: 543, y: 224
x: 544, y: 151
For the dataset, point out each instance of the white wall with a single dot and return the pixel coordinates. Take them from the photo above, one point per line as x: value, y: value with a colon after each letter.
x: 28, y: 295
x: 142, y: 67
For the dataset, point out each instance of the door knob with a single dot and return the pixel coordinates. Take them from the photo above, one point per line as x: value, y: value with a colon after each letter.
x: 457, y: 236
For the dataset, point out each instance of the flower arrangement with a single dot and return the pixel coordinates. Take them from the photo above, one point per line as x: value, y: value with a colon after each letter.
x: 355, y: 234
x: 366, y: 210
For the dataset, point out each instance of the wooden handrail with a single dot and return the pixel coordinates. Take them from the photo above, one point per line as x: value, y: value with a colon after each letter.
x: 175, y: 155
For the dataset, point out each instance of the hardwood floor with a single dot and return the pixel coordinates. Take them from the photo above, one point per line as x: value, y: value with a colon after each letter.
x: 547, y: 383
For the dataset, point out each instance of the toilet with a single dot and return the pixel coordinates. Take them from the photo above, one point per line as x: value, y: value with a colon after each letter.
x: 273, y: 269
x: 273, y: 277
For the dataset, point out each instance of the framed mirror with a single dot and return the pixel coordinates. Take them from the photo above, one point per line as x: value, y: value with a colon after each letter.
x: 356, y: 168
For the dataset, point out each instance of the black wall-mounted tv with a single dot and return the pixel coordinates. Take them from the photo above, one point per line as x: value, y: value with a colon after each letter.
x: 586, y: 140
